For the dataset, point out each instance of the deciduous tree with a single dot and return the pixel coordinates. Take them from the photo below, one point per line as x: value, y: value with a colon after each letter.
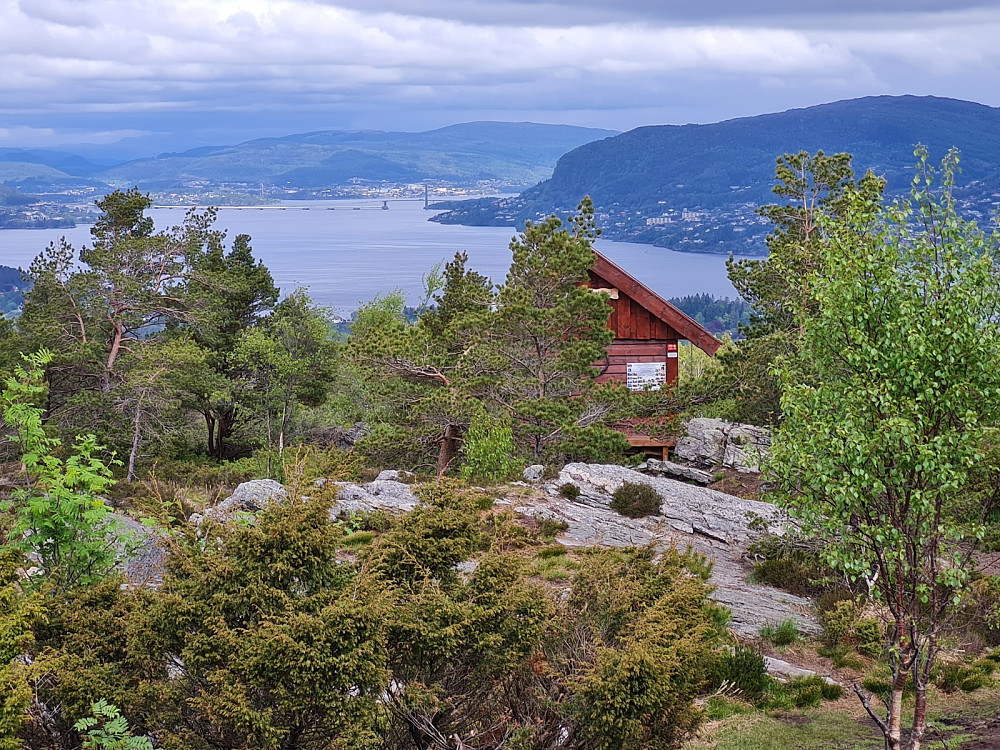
x: 891, y: 408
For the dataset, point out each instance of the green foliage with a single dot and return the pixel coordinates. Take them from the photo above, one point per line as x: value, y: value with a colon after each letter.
x: 521, y: 356
x: 716, y: 314
x: 784, y: 634
x: 986, y: 602
x: 789, y: 562
x: 636, y: 500
x: 283, y: 632
x: 839, y: 621
x: 432, y: 540
x: 107, y: 728
x: 19, y: 612
x: 777, y: 287
x: 569, y: 490
x: 842, y: 656
x: 547, y: 332
x: 488, y: 448
x: 60, y: 514
x: 284, y: 362
x: 955, y: 676
x: 550, y: 528
x: 896, y: 359
x: 641, y: 693
x: 870, y: 637
x: 745, y: 669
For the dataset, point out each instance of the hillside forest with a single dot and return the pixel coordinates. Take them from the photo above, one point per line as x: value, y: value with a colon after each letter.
x: 151, y: 372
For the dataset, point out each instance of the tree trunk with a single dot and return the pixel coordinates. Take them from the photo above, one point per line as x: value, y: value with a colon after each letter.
x: 448, y: 450
x: 894, y: 736
x: 210, y: 426
x: 919, y: 718
x: 136, y: 431
x: 114, y: 348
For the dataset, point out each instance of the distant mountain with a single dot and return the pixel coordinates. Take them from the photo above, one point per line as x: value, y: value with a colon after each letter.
x: 11, y: 197
x: 513, y: 153
x: 720, y: 172
x: 61, y: 161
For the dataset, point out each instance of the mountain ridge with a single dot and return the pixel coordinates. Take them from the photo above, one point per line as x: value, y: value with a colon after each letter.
x: 717, y: 168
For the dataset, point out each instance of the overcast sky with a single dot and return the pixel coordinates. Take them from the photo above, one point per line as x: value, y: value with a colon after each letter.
x: 178, y: 73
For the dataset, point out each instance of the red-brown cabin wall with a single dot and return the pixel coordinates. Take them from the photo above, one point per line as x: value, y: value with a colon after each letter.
x: 623, y: 351
x: 631, y: 321
x: 639, y: 336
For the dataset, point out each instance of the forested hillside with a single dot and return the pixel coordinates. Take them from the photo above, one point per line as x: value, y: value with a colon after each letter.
x: 722, y: 171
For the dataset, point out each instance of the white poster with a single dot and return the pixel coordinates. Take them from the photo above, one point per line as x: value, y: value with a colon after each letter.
x: 645, y: 376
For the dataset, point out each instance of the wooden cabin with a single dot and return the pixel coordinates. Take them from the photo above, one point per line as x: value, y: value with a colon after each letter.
x: 647, y: 330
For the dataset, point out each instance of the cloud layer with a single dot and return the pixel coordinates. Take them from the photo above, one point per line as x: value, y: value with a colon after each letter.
x: 207, y: 68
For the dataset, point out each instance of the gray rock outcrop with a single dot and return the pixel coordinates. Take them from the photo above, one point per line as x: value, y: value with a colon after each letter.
x: 382, y: 494
x: 669, y: 468
x: 249, y: 497
x: 715, y: 524
x: 534, y: 473
x: 711, y: 443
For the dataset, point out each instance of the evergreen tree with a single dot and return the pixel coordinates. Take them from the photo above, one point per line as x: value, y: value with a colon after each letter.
x: 777, y: 287
x: 539, y: 348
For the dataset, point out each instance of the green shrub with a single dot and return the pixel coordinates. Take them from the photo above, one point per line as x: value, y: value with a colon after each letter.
x: 550, y: 528
x: 986, y: 666
x: 832, y: 691
x: 955, y: 676
x: 783, y: 563
x: 552, y: 550
x: 569, y: 490
x: 60, y: 517
x: 807, y: 692
x: 745, y: 669
x: 784, y: 634
x: 488, y: 448
x: 636, y: 500
x: 842, y: 656
x: 869, y: 634
x: 838, y: 621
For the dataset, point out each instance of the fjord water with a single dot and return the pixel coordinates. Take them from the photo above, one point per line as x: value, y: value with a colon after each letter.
x: 346, y: 252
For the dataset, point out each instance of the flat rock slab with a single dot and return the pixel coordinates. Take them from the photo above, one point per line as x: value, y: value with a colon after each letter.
x: 713, y: 523
x: 655, y: 466
x: 786, y: 671
x: 382, y: 494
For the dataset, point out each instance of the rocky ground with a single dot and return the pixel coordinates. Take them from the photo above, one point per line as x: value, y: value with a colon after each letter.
x: 715, y: 524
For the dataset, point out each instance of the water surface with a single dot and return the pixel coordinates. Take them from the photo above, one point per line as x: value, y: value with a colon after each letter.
x: 346, y: 252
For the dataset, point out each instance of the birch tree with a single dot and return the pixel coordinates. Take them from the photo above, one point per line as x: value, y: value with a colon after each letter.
x: 891, y: 409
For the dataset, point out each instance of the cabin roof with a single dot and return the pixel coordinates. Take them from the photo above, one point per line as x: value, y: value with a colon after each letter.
x: 659, y: 307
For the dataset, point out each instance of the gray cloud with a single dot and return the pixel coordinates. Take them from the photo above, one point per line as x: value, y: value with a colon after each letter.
x: 567, y: 12
x: 224, y: 69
